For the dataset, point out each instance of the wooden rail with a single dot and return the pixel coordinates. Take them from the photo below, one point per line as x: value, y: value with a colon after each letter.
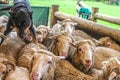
x: 89, y: 25
x: 96, y: 15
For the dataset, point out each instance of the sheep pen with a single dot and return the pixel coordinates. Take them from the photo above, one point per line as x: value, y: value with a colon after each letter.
x: 23, y: 55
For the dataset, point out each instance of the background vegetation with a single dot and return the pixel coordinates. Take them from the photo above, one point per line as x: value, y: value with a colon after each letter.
x: 69, y: 7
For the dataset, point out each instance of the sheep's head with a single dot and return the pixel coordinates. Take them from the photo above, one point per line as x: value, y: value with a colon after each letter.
x: 2, y: 38
x: 42, y: 32
x: 5, y: 67
x: 41, y: 63
x: 111, y: 69
x: 108, y: 42
x: 68, y: 25
x: 61, y: 44
x: 3, y: 19
x: 83, y: 54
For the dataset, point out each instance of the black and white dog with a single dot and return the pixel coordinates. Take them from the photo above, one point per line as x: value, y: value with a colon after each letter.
x: 20, y: 18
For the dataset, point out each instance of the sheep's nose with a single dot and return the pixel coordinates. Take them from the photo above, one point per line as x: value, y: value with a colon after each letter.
x: 63, y: 54
x: 118, y: 77
x: 88, y: 61
x: 35, y: 76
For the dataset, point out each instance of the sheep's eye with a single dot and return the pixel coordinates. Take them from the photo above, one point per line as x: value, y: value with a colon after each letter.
x: 108, y: 44
x: 45, y: 32
x: 38, y: 32
x: 57, y: 41
x: 79, y: 49
x: 49, y: 62
x: 3, y: 72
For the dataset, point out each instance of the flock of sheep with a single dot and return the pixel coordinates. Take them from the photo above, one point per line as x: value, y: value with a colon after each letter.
x: 61, y: 53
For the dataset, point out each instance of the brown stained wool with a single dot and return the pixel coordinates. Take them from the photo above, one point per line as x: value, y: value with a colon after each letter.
x: 65, y: 71
x: 26, y: 55
x: 12, y: 47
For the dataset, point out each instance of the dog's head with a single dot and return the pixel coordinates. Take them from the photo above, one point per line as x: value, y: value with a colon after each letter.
x: 22, y: 21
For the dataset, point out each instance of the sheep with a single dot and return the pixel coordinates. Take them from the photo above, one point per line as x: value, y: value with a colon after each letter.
x: 65, y: 71
x: 102, y: 54
x: 66, y: 25
x: 4, y: 19
x: 81, y: 35
x: 108, y: 42
x: 111, y: 69
x: 6, y: 65
x: 26, y: 54
x: 11, y: 46
x: 43, y: 65
x: 3, y: 22
x: 59, y: 44
x: 20, y: 73
x: 42, y: 32
x: 92, y: 57
x: 81, y: 55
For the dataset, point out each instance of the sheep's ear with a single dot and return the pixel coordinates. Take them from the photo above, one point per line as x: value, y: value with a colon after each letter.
x: 56, y: 58
x: 75, y: 24
x: 10, y: 66
x: 72, y: 44
x: 59, y: 22
x: 112, y: 76
x: 53, y: 37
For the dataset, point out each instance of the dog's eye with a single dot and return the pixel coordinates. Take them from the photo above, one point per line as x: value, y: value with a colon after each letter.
x: 19, y: 24
x: 26, y: 24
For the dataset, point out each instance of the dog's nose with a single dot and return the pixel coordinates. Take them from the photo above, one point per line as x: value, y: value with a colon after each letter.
x: 22, y: 36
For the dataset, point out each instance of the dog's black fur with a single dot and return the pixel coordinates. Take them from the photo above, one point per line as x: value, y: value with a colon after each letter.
x: 21, y: 18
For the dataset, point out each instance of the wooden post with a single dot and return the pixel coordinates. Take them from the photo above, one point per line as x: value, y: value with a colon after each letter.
x: 94, y: 10
x: 53, y: 19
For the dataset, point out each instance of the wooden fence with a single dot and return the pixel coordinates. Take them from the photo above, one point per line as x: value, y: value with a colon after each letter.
x: 96, y: 15
x: 87, y: 25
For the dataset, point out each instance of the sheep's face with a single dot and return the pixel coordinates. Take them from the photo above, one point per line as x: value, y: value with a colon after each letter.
x: 3, y: 71
x: 86, y: 54
x: 111, y: 69
x: 40, y: 65
x: 107, y: 42
x: 68, y: 27
x: 5, y: 67
x: 41, y: 34
x: 62, y: 45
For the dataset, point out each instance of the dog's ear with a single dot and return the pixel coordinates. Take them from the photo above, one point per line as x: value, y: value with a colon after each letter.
x: 30, y: 13
x: 12, y: 13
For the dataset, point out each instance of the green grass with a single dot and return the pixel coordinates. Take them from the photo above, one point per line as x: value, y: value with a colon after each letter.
x: 68, y: 6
